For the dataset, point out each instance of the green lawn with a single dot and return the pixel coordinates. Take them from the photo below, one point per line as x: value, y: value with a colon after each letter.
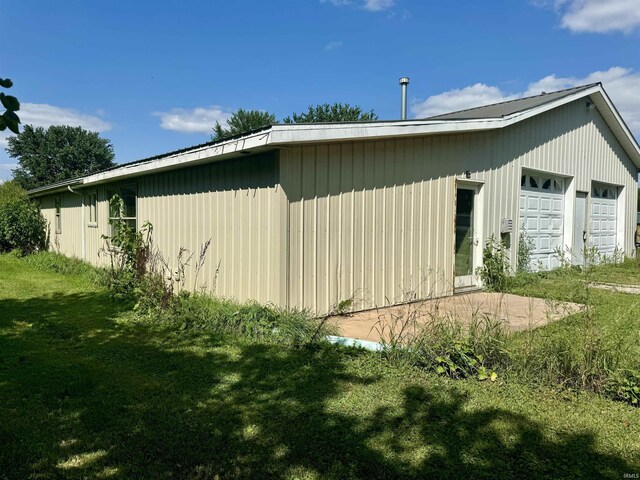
x: 615, y: 313
x: 626, y: 273
x: 85, y: 392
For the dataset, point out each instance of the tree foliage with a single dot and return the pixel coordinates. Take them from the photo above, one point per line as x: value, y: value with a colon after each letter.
x: 57, y: 153
x: 9, y: 119
x: 243, y: 121
x: 338, y: 112
x: 10, y: 192
x: 22, y: 226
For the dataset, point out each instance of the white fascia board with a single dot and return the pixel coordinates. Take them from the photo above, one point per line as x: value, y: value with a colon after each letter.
x: 286, y: 134
x: 217, y: 151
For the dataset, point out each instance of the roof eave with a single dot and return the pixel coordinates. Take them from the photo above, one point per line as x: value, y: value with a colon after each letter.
x: 287, y: 134
x: 55, y: 187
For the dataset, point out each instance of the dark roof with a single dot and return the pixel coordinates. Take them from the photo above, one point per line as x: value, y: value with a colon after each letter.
x: 503, y: 109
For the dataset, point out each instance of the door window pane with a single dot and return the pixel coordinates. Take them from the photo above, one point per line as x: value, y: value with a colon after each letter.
x: 464, y: 232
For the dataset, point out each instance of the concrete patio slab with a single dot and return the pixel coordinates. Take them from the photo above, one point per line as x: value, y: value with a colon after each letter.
x: 514, y: 312
x: 618, y: 288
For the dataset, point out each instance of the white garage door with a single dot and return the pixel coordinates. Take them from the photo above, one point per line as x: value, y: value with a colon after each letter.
x: 541, y: 217
x: 602, y: 234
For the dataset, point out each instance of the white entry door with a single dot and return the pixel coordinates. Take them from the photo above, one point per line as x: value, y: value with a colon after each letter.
x: 603, y: 231
x: 468, y: 250
x: 542, y: 217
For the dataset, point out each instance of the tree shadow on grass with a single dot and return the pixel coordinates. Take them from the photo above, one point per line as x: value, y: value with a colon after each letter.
x: 84, y: 395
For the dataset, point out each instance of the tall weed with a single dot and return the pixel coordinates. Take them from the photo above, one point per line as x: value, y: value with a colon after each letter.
x: 423, y: 335
x: 248, y: 320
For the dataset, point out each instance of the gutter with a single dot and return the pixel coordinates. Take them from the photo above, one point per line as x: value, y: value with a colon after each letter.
x: 56, y: 187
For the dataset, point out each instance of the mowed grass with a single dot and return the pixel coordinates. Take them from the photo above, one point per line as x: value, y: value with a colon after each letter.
x: 85, y: 392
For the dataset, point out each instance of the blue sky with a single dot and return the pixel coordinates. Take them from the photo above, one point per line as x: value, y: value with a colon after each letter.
x: 154, y: 76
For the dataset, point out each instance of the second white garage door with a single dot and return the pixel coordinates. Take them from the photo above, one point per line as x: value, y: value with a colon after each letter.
x: 541, y: 216
x: 602, y: 234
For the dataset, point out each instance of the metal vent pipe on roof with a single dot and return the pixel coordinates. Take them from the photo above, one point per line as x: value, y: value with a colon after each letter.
x: 404, y: 81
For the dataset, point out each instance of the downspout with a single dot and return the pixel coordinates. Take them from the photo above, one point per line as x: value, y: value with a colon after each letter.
x: 82, y: 227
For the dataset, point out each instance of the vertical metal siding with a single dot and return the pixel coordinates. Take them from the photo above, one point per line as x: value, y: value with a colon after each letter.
x: 238, y: 204
x: 69, y: 241
x: 362, y: 239
x: 374, y: 219
x: 240, y: 207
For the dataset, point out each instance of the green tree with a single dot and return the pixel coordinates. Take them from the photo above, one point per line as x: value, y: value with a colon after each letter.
x: 338, y: 112
x: 22, y: 226
x: 57, y: 153
x: 9, y: 119
x: 243, y: 121
x: 10, y: 192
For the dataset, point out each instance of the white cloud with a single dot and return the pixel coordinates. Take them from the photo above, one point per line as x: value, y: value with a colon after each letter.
x: 597, y: 16
x: 333, y: 45
x: 195, y: 120
x: 458, y: 99
x: 378, y: 5
x: 369, y: 5
x: 45, y: 115
x: 622, y: 85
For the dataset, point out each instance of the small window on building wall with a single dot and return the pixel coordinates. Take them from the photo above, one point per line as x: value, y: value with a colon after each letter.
x: 92, y: 204
x: 128, y: 211
x: 58, y: 221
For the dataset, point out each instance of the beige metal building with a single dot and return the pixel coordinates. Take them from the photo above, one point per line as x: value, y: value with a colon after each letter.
x: 307, y: 215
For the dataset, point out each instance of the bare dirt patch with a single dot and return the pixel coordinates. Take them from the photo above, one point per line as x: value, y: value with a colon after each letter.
x: 515, y: 312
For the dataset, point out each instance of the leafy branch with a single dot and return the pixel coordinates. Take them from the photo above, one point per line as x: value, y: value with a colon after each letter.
x: 9, y: 119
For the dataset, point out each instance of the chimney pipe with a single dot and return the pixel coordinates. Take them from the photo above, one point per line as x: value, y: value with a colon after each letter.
x: 404, y: 81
